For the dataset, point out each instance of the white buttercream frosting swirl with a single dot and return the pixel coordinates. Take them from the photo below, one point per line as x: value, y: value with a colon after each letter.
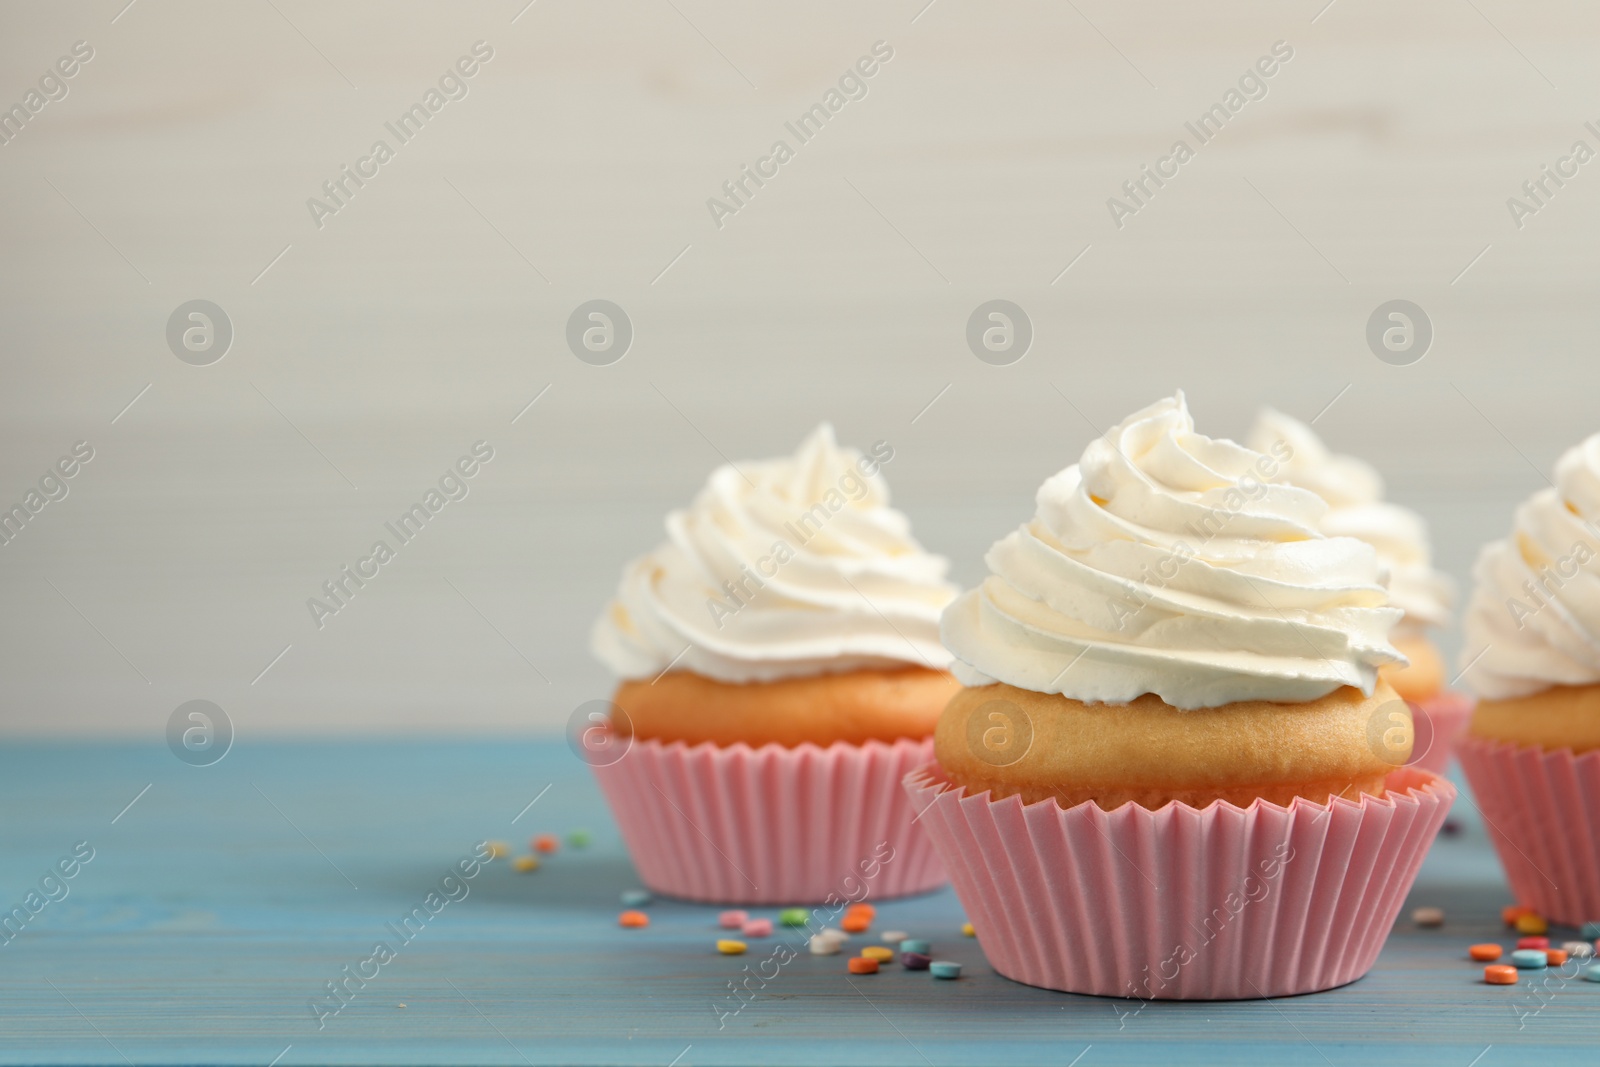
x: 1167, y: 562
x: 1356, y: 508
x: 1534, y: 618
x: 781, y: 568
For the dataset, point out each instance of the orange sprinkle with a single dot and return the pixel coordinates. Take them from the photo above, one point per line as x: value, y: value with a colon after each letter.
x: 1512, y: 912
x: 633, y: 919
x: 1531, y: 923
x: 545, y: 843
x: 855, y: 924
x: 863, y: 965
x: 1485, y: 952
x: 1500, y: 974
x: 862, y: 909
x: 1556, y: 956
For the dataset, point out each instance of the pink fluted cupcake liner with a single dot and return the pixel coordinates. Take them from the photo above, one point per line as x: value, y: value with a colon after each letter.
x: 1542, y: 810
x: 772, y: 825
x: 1184, y: 903
x: 1440, y: 721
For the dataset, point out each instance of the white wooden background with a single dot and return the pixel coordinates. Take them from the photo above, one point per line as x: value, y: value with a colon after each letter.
x: 431, y: 309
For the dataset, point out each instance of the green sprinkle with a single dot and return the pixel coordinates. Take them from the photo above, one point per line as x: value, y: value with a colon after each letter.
x: 578, y: 838
x: 793, y: 916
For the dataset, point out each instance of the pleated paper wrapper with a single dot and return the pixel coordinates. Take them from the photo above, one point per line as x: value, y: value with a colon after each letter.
x: 1542, y: 810
x: 1183, y: 903
x: 772, y: 825
x: 1439, y: 721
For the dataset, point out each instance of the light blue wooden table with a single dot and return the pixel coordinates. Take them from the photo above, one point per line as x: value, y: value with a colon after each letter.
x: 218, y: 905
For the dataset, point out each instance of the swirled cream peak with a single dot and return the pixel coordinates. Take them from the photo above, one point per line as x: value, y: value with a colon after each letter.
x: 781, y: 568
x: 1168, y: 562
x: 1356, y: 508
x: 1534, y: 618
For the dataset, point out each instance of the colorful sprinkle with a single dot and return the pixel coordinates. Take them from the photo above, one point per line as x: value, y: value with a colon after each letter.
x: 1500, y: 974
x: 525, y: 863
x: 1512, y: 912
x: 862, y: 908
x: 1555, y: 957
x: 863, y: 965
x: 1578, y: 950
x: 794, y: 916
x: 1485, y: 952
x: 1428, y: 916
x: 579, y: 838
x: 633, y: 919
x: 856, y: 924
x: 636, y: 898
x: 945, y: 969
x: 1590, y: 931
x: 966, y: 928
x: 832, y: 934
x: 1591, y: 973
x: 731, y: 948
x: 915, y: 961
x: 1531, y: 958
x: 914, y: 944
x: 497, y: 849
x: 1533, y: 942
x: 733, y: 920
x: 893, y: 937
x: 1531, y: 923
x: 823, y: 946
x: 546, y: 843
x: 757, y: 928
x: 881, y: 953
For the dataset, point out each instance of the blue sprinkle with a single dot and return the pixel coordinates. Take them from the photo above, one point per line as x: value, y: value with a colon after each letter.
x: 1592, y: 972
x: 914, y: 944
x: 1532, y: 958
x: 1590, y: 931
x: 636, y: 898
x: 945, y: 969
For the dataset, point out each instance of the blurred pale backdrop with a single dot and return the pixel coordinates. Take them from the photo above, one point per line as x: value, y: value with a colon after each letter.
x: 575, y: 163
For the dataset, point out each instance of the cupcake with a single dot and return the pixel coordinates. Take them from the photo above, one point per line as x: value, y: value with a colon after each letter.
x: 780, y: 672
x: 1174, y: 770
x: 1532, y: 654
x: 1356, y: 508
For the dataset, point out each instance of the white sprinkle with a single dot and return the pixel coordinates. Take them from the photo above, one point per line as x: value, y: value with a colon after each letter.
x: 822, y: 945
x: 1428, y: 916
x: 894, y: 937
x: 1578, y: 949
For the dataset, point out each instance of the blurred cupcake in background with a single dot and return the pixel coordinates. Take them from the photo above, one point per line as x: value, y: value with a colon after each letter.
x: 1175, y: 770
x: 781, y: 670
x: 1356, y: 508
x: 1532, y: 750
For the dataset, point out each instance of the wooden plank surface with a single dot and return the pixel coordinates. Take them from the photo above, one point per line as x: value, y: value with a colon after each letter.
x: 217, y: 906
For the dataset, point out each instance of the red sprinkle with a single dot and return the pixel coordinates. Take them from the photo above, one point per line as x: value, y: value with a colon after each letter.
x: 1533, y: 942
x: 545, y: 843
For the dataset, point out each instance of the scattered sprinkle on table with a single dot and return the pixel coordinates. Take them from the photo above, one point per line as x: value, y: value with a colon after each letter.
x: 1428, y: 916
x: 893, y: 937
x: 1510, y: 913
x: 863, y: 965
x: 944, y: 969
x: 497, y: 849
x: 733, y: 920
x: 525, y: 863
x: 729, y: 947
x: 546, y: 843
x: 1500, y: 974
x: 793, y: 916
x: 1533, y: 942
x: 1531, y: 923
x: 1554, y: 957
x: 579, y: 838
x: 914, y: 944
x: 1485, y: 952
x: 823, y: 946
x: 856, y: 924
x: 966, y: 928
x: 862, y: 908
x: 1578, y: 949
x: 1531, y: 958
x: 915, y: 961
x: 1592, y: 972
x: 835, y: 935
x: 757, y: 928
x: 881, y: 953
x: 1590, y: 931
x: 636, y: 898
x: 633, y: 919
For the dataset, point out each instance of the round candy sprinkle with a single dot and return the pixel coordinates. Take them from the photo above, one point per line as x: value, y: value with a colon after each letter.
x: 1532, y: 958
x: 579, y: 838
x: 833, y: 934
x: 1531, y: 923
x: 793, y: 916
x: 863, y: 965
x: 915, y: 961
x: 636, y: 898
x: 1512, y: 912
x: 1500, y: 974
x: 545, y: 843
x: 823, y: 946
x: 893, y: 937
x: 1484, y: 952
x: 1555, y: 957
x: 1590, y: 930
x: 525, y: 863
x: 862, y: 908
x: 1578, y: 950
x: 881, y: 953
x: 730, y: 948
x: 914, y: 944
x: 1428, y: 916
x: 856, y: 924
x: 966, y: 928
x: 757, y: 928
x: 497, y: 849
x: 1591, y: 973
x: 1533, y: 942
x: 732, y: 920
x: 945, y: 969
x: 633, y: 919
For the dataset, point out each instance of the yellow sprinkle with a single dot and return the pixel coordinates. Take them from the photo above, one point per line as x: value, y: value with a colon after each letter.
x: 967, y: 929
x: 731, y: 948
x: 881, y: 953
x: 1531, y: 924
x: 525, y: 863
x: 498, y: 849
